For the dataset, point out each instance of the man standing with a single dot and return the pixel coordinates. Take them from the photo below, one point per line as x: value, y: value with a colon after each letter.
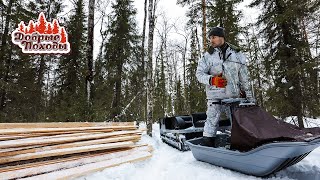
x: 222, y: 69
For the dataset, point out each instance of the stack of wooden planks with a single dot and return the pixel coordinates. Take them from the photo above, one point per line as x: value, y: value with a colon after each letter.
x: 67, y: 150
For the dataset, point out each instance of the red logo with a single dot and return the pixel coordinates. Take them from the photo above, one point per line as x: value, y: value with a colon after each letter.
x: 41, y: 37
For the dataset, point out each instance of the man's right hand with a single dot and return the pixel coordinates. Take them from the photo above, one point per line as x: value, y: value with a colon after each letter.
x: 218, y: 81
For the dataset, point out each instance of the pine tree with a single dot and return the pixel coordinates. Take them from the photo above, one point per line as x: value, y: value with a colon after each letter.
x: 70, y: 99
x: 255, y: 64
x: 45, y: 64
x: 17, y: 72
x: 196, y: 93
x: 178, y: 102
x: 222, y: 13
x: 160, y: 89
x: 23, y: 74
x: 6, y: 57
x: 287, y: 59
x: 118, y: 51
x: 134, y: 92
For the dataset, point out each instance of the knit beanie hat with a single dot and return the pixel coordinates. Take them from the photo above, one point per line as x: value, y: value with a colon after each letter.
x: 216, y: 31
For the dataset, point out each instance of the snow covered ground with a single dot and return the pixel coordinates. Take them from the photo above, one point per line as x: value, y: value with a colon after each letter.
x: 168, y: 163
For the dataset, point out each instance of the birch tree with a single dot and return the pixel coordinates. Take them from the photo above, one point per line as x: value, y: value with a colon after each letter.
x: 151, y: 17
x: 143, y: 68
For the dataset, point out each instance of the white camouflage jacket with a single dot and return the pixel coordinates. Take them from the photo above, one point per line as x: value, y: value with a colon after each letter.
x: 234, y: 69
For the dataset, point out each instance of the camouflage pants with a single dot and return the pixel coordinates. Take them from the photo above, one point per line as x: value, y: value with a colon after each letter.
x: 215, y: 112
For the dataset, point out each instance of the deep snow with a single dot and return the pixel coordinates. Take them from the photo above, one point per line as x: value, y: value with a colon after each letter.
x: 168, y: 163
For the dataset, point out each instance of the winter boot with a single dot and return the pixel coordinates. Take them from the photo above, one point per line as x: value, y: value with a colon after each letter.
x: 208, y: 141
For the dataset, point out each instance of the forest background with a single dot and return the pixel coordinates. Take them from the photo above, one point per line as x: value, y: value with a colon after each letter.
x: 145, y: 73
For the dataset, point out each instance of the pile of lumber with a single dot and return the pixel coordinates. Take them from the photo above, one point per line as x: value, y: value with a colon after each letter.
x: 67, y: 150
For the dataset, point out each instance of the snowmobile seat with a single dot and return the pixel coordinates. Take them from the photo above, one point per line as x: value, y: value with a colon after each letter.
x: 177, y: 122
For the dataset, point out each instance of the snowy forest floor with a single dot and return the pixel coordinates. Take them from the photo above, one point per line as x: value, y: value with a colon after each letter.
x: 169, y: 163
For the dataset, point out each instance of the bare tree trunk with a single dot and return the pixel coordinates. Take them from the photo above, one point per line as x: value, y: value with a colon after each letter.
x: 101, y: 6
x: 198, y: 41
x: 204, y: 26
x: 149, y: 68
x: 143, y: 53
x: 89, y: 75
x: 117, y: 94
x: 6, y: 59
x: 40, y: 83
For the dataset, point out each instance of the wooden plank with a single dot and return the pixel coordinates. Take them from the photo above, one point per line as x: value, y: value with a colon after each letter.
x: 133, y: 138
x: 39, y: 138
x: 17, y: 149
x: 51, y: 134
x: 4, y: 138
x: 58, y: 133
x: 58, y: 160
x: 91, y: 168
x: 69, y: 164
x: 60, y: 152
x: 63, y: 124
x: 66, y: 159
x: 26, y: 142
x: 40, y: 130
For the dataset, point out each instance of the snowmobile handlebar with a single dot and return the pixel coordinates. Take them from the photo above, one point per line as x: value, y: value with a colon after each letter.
x: 239, y: 101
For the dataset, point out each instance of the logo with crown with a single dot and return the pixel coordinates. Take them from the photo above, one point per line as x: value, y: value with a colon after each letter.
x: 41, y: 37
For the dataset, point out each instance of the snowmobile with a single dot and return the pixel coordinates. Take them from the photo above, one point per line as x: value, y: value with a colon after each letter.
x: 176, y: 130
x: 253, y: 142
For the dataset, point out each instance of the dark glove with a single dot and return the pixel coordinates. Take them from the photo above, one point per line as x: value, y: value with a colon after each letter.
x: 243, y: 94
x: 218, y: 81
